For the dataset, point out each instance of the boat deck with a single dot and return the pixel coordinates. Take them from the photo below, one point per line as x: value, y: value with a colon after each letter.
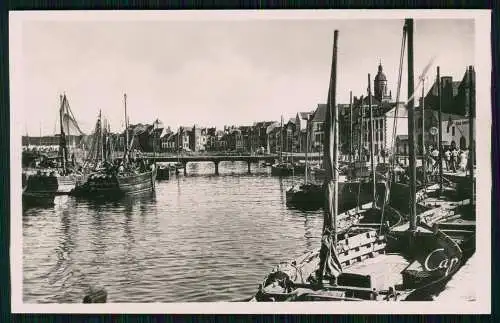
x: 385, y: 270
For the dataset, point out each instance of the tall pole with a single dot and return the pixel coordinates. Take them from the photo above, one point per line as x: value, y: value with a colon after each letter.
x: 307, y: 148
x: 328, y: 259
x: 362, y: 132
x: 423, y: 132
x: 440, y: 132
x: 62, y: 140
x: 126, y: 121
x: 330, y: 149
x: 281, y: 140
x: 372, y: 143
x: 472, y: 114
x: 101, y: 137
x: 351, y: 158
x: 411, y: 128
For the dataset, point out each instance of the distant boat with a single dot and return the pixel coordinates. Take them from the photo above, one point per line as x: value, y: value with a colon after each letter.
x: 165, y: 171
x: 108, y: 179
x: 53, y: 176
x: 287, y: 169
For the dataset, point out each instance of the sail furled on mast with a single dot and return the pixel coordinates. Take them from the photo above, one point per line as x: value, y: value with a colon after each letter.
x: 329, y: 265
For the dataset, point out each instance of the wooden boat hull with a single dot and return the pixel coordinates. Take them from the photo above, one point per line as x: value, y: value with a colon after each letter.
x: 41, y: 189
x: 165, y: 172
x: 100, y: 185
x: 32, y: 199
x: 351, y: 194
x: 363, y: 252
x: 285, y: 170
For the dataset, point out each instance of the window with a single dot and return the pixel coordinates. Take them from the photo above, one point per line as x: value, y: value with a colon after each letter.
x: 453, y: 131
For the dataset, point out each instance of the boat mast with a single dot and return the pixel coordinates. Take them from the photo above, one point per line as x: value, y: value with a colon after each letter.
x: 126, y: 124
x: 424, y: 169
x: 328, y: 247
x: 472, y: 114
x: 372, y: 143
x: 362, y: 130
x: 307, y: 146
x: 281, y: 140
x: 178, y: 144
x: 101, y: 137
x: 62, y: 139
x: 351, y: 157
x: 156, y: 137
x: 411, y: 129
x: 440, y: 132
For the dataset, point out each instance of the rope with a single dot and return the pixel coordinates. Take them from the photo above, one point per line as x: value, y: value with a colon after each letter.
x: 393, y: 143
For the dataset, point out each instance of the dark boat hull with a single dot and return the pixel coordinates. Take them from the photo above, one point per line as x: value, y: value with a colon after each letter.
x: 164, y: 173
x: 281, y: 170
x: 351, y: 194
x: 116, y: 186
x: 41, y: 189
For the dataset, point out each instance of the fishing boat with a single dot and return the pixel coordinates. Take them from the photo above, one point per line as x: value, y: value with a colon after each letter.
x: 372, y: 260
x: 164, y: 171
x: 116, y: 179
x: 56, y: 176
x: 285, y: 167
x: 454, y: 194
x: 355, y: 182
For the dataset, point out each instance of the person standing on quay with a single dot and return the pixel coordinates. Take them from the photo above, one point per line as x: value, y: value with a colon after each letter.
x: 436, y: 157
x: 454, y: 160
x: 448, y: 158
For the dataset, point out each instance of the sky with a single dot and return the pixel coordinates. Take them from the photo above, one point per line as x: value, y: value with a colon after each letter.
x: 216, y: 73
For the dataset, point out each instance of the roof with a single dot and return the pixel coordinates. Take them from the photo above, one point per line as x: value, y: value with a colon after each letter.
x: 319, y: 113
x: 271, y: 127
x: 447, y: 116
x: 453, y: 95
x: 402, y: 137
x: 168, y: 136
x: 366, y: 100
x: 158, y: 124
x: 263, y: 124
x: 305, y: 115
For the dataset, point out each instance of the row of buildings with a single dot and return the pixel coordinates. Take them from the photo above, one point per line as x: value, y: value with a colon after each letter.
x: 291, y: 135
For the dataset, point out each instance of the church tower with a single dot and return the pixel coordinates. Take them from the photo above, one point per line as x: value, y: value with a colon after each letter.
x: 380, y: 85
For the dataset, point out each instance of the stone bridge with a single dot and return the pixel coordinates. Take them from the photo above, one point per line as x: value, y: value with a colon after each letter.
x: 184, y: 160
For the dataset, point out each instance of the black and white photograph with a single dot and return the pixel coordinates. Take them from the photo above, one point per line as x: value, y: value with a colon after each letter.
x: 237, y: 161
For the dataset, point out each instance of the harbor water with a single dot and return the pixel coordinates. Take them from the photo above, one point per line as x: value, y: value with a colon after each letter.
x: 199, y: 238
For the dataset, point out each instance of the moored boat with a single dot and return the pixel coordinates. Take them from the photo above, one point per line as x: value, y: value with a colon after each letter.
x: 111, y: 179
x: 164, y: 172
x: 60, y: 175
x: 381, y: 256
x: 117, y: 184
x: 287, y: 169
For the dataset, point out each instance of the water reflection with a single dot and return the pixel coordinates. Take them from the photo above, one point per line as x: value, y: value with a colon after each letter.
x: 199, y: 238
